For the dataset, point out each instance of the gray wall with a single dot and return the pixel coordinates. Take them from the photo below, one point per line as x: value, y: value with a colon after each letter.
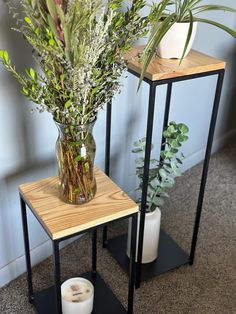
x: 27, y: 140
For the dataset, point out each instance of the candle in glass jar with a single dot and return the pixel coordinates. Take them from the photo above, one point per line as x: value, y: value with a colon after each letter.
x: 77, y: 296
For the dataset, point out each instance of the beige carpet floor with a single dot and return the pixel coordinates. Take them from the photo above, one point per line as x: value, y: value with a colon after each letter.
x: 207, y: 287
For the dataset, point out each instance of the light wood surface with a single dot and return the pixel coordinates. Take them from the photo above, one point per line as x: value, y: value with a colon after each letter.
x: 159, y: 69
x: 61, y: 219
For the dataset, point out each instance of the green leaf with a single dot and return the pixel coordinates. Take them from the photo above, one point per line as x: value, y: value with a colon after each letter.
x: 164, y: 194
x: 219, y: 25
x: 28, y: 20
x: 78, y: 158
x: 166, y: 134
x: 162, y: 173
x: 32, y: 73
x: 189, y: 35
x: 212, y: 7
x: 52, y: 26
x: 171, y: 129
x: 37, y: 31
x: 137, y: 150
x: 157, y: 33
x: 158, y: 201
x: 94, y: 90
x: 25, y: 91
x: 1, y: 54
x: 174, y: 150
x: 183, y: 128
x: 67, y: 104
x: 51, y: 42
x: 170, y: 180
x: 5, y: 56
x: 175, y: 143
x: 182, y: 138
x: 139, y: 162
x: 52, y: 8
x: 60, y: 13
x: 155, y: 183
x: 169, y: 154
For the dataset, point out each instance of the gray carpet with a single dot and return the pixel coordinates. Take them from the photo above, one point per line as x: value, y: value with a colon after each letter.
x: 207, y: 287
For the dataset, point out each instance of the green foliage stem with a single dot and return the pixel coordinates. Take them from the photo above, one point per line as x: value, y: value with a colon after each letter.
x: 162, y: 173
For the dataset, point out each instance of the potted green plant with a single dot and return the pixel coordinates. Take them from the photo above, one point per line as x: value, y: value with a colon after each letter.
x: 162, y: 176
x: 79, y: 47
x: 174, y: 25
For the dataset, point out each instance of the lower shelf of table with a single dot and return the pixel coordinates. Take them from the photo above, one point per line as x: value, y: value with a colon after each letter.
x: 170, y: 255
x: 105, y: 301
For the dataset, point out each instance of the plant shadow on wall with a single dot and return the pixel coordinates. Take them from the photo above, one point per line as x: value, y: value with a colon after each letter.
x: 22, y: 128
x: 17, y: 164
x: 17, y: 152
x: 16, y: 146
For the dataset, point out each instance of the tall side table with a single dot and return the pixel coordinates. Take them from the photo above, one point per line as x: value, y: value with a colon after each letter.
x: 160, y: 72
x: 63, y: 221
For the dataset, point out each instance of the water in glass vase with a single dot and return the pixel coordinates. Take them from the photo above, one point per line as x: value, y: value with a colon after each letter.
x: 75, y: 150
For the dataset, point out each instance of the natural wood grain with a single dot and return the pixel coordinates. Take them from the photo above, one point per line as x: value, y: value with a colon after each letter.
x: 61, y: 219
x: 159, y: 69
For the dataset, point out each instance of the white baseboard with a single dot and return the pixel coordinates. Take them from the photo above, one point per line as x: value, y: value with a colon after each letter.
x: 218, y: 143
x: 17, y: 267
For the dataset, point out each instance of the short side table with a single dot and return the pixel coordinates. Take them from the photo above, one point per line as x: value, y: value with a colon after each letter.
x: 62, y: 221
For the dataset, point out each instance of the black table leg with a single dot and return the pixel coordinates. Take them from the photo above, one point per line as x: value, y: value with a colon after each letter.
x: 107, y: 159
x: 94, y: 251
x: 150, y: 119
x: 206, y: 164
x: 57, y: 276
x: 167, y: 110
x: 132, y: 264
x: 27, y: 250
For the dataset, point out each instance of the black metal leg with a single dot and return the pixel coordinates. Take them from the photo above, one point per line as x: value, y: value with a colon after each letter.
x: 94, y: 251
x: 167, y: 109
x: 151, y: 107
x: 206, y: 164
x: 57, y: 276
x: 27, y: 249
x: 108, y: 140
x: 132, y: 265
x: 107, y: 159
x: 104, y: 237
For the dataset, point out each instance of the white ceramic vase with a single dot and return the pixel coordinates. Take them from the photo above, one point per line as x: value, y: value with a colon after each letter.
x: 173, y: 43
x: 150, y: 236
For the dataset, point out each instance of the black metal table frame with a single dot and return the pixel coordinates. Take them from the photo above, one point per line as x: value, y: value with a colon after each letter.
x: 149, y: 131
x: 56, y: 257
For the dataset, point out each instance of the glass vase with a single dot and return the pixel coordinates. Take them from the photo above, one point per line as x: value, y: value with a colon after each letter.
x: 75, y: 150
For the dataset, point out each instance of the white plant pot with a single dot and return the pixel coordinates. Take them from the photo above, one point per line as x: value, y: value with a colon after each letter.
x: 173, y: 43
x: 77, y: 296
x: 150, y: 236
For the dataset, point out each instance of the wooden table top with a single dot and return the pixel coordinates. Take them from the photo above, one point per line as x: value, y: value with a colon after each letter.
x: 61, y: 219
x: 159, y: 69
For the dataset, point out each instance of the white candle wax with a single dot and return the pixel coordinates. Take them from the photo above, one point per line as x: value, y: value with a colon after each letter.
x: 77, y: 296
